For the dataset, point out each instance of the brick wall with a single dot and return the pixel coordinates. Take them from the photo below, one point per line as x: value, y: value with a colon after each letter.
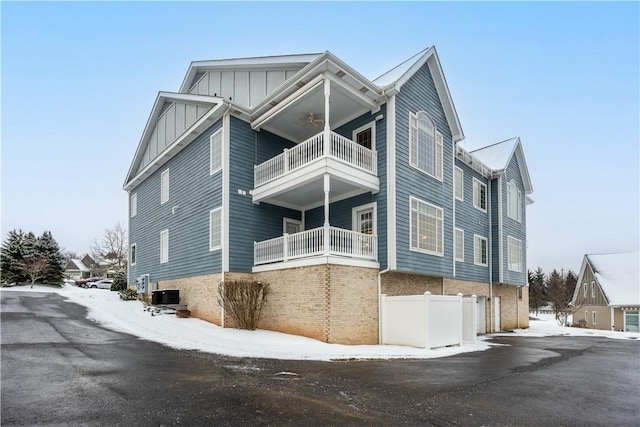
x: 199, y: 294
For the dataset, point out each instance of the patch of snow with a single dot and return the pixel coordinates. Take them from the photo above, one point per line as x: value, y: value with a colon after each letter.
x: 619, y: 277
x: 132, y: 317
x: 496, y: 156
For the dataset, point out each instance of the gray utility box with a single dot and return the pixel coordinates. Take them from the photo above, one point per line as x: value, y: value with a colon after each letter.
x: 165, y: 296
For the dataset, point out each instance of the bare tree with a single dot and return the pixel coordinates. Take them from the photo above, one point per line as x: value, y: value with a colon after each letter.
x: 559, y: 292
x: 35, y: 267
x: 113, y: 249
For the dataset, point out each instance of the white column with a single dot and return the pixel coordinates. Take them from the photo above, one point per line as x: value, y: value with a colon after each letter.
x: 327, y: 237
x: 327, y: 128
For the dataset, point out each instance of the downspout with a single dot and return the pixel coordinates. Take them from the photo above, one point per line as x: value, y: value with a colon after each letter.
x: 226, y: 147
x: 500, y: 244
x: 490, y: 257
x: 453, y: 203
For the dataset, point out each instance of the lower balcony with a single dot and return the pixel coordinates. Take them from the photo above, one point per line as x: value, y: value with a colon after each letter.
x: 319, y: 243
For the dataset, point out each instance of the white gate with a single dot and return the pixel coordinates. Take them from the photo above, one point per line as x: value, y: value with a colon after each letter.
x: 496, y: 314
x: 482, y: 315
x: 428, y: 320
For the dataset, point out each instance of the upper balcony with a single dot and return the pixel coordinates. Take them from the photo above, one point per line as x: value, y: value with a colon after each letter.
x: 295, y: 177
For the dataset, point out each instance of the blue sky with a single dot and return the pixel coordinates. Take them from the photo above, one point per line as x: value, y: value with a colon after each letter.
x: 79, y: 81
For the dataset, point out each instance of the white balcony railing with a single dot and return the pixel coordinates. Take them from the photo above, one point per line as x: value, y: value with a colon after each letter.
x: 311, y: 243
x: 312, y: 149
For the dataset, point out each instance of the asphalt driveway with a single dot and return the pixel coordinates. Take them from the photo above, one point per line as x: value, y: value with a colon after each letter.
x: 58, y: 368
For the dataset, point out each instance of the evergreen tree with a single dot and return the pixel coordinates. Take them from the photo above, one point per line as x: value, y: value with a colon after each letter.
x: 119, y: 281
x: 49, y: 249
x: 11, y: 256
x: 559, y: 293
x: 536, y: 289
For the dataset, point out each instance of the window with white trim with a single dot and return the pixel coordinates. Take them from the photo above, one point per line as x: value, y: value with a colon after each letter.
x: 584, y: 293
x: 459, y: 244
x: 215, y: 152
x: 133, y: 254
x: 593, y: 320
x: 366, y: 136
x: 426, y: 227
x: 164, y: 187
x: 514, y: 254
x: 586, y: 316
x: 459, y: 183
x: 363, y: 219
x: 425, y: 144
x: 593, y: 289
x: 514, y: 201
x: 133, y: 205
x: 480, y: 251
x: 164, y: 246
x: 215, y: 229
x: 479, y: 195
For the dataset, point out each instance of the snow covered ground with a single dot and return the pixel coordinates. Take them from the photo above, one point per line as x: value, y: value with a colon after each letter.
x: 131, y: 317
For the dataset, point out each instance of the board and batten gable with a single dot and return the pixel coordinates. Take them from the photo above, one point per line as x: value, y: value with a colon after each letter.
x: 245, y: 87
x: 194, y: 192
x: 512, y: 227
x: 419, y: 94
x: 472, y: 221
x: 249, y: 222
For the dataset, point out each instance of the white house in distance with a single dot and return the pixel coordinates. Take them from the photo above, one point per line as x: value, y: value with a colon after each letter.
x: 607, y: 295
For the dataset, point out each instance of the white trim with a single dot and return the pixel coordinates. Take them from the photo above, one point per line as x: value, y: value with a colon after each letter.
x: 500, y: 236
x: 133, y: 205
x: 218, y: 246
x: 212, y: 169
x: 438, y: 142
x: 594, y: 318
x: 285, y: 220
x: 357, y: 209
x: 477, y: 250
x: 455, y: 247
x: 439, y: 233
x: 593, y: 290
x: 164, y: 183
x: 131, y: 252
x: 164, y: 258
x: 455, y: 182
x: 513, y: 186
x: 371, y: 126
x: 226, y: 146
x: 516, y: 244
x: 391, y: 184
x: 453, y: 206
x: 476, y: 192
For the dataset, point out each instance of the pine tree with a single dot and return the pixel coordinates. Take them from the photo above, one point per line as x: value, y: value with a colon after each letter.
x: 11, y: 256
x: 536, y: 289
x: 48, y: 248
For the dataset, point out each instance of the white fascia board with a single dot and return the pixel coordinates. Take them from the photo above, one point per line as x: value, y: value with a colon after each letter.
x: 167, y: 153
x: 356, y: 95
x: 524, y: 170
x: 246, y: 63
x: 576, y: 291
x: 156, y: 111
x: 353, y: 73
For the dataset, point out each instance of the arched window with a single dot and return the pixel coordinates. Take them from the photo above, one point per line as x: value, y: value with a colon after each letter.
x: 425, y: 144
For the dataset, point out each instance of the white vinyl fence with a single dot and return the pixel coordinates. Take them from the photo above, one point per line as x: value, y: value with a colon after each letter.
x: 427, y: 320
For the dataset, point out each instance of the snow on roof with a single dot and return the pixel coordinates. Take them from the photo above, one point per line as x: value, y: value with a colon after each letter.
x: 619, y: 276
x: 496, y: 156
x: 80, y: 265
x: 394, y: 74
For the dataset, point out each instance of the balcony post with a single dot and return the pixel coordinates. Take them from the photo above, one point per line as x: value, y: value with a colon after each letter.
x: 286, y: 160
x: 327, y: 237
x: 285, y: 247
x: 327, y: 128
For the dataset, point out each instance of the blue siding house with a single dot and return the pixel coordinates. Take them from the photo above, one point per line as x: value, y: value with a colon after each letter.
x: 300, y: 172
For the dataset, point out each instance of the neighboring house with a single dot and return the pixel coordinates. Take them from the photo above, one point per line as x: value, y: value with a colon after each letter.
x: 300, y: 172
x: 607, y: 295
x: 76, y: 269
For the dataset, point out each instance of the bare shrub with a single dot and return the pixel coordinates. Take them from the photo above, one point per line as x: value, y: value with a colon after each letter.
x: 244, y: 300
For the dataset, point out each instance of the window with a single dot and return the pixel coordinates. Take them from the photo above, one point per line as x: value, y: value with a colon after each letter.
x: 164, y: 246
x: 366, y: 136
x: 459, y: 183
x: 164, y: 187
x: 479, y: 250
x: 133, y: 254
x: 514, y: 254
x: 215, y: 229
x: 363, y: 219
x: 594, y: 317
x: 586, y: 316
x: 479, y: 195
x: 593, y: 289
x: 291, y: 226
x: 584, y: 293
x: 425, y: 145
x: 215, y: 152
x: 459, y: 244
x: 426, y: 227
x: 519, y: 292
x: 514, y: 201
x: 133, y: 205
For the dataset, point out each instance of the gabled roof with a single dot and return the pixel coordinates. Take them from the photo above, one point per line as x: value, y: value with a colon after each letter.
x: 498, y: 156
x: 76, y: 264
x: 262, y: 62
x: 393, y: 80
x: 618, y: 276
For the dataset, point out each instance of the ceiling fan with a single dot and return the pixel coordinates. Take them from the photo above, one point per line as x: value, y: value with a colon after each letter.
x: 312, y: 119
